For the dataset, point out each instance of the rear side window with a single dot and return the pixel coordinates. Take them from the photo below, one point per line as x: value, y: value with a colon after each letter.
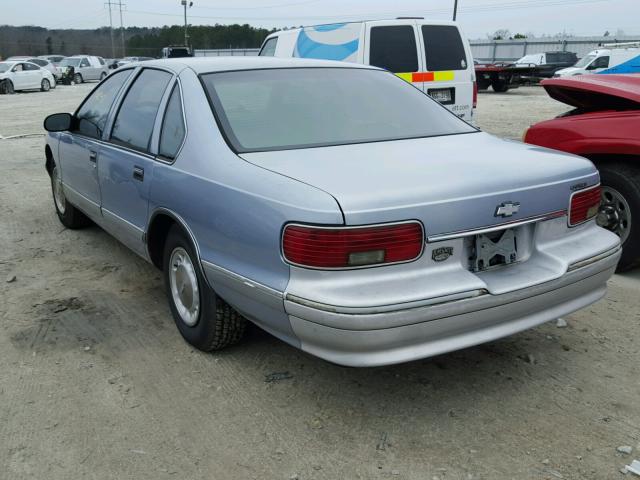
x: 134, y: 123
x: 443, y: 48
x: 269, y: 48
x: 92, y: 115
x: 30, y: 66
x: 394, y: 48
x: 172, y: 133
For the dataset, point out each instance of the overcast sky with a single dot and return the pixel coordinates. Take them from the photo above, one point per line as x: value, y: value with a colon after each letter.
x: 478, y: 17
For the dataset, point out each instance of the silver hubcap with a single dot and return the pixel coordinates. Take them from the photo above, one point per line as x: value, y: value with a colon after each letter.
x: 58, y: 192
x: 184, y: 286
x: 615, y: 214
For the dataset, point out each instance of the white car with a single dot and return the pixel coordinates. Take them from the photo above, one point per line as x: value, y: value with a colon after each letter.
x: 42, y: 63
x: 16, y: 75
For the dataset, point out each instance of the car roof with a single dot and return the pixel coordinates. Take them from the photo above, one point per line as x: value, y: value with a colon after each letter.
x: 221, y: 64
x: 389, y: 21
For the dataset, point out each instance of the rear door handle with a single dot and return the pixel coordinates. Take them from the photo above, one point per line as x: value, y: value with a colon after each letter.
x: 138, y: 173
x: 93, y: 156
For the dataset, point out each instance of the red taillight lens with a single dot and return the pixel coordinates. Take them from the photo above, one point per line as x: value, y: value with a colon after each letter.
x: 475, y: 94
x: 351, y: 247
x: 584, y: 205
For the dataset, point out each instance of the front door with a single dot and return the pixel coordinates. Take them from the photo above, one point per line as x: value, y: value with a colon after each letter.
x: 80, y: 148
x: 127, y: 161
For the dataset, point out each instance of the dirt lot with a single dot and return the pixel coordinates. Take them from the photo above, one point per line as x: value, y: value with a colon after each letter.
x: 95, y: 381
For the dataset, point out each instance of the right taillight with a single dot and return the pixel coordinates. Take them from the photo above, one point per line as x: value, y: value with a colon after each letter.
x: 584, y: 205
x: 351, y: 247
x: 475, y: 94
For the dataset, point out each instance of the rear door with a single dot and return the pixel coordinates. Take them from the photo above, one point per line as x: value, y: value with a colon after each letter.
x: 394, y: 46
x: 127, y: 161
x: 448, y: 74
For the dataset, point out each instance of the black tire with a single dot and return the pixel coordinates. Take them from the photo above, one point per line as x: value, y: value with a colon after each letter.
x: 45, y: 85
x: 500, y: 86
x: 69, y: 215
x: 218, y: 325
x: 77, y: 78
x: 6, y: 87
x: 625, y: 179
x: 483, y: 84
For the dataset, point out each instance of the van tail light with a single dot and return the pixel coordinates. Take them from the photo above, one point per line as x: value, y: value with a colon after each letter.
x: 350, y: 247
x: 584, y: 205
x: 475, y: 93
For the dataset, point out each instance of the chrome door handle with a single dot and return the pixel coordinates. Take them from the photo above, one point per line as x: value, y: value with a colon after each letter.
x: 93, y: 156
x: 138, y: 174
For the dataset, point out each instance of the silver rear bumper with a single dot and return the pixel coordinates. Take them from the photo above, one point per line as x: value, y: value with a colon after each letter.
x: 356, y: 338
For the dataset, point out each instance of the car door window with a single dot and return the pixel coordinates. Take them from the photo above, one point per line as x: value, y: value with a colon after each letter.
x: 92, y: 114
x: 84, y: 63
x: 135, y: 119
x: 31, y: 67
x: 394, y: 48
x: 18, y: 68
x: 443, y: 48
x: 269, y: 48
x: 173, y: 129
x: 600, y: 62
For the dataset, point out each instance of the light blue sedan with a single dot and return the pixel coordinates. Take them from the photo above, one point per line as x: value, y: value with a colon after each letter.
x: 332, y: 204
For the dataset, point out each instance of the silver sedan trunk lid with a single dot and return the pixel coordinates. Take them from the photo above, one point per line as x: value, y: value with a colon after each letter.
x: 450, y: 183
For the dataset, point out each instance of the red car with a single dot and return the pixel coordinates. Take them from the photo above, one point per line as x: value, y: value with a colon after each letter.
x: 604, y: 127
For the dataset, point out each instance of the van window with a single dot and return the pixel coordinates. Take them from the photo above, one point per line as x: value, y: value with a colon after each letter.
x: 600, y: 62
x: 269, y: 48
x: 394, y: 48
x: 443, y: 48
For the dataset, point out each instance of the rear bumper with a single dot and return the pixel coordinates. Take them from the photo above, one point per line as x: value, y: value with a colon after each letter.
x: 357, y: 337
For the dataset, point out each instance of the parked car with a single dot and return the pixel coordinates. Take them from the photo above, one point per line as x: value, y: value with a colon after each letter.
x: 548, y: 63
x: 177, y: 51
x: 603, y: 127
x: 612, y: 58
x: 366, y: 233
x: 17, y: 75
x: 42, y: 63
x: 432, y: 55
x: 85, y: 67
x: 128, y: 60
x: 55, y: 59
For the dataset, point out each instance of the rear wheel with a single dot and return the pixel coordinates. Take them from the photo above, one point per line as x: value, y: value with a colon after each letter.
x: 204, y: 320
x: 68, y: 215
x: 45, y: 86
x: 500, y: 86
x: 77, y: 78
x: 620, y: 209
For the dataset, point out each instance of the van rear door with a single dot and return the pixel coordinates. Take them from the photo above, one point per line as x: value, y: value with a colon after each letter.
x: 395, y: 46
x: 448, y: 75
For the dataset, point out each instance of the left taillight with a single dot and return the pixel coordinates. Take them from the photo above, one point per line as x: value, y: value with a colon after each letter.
x: 351, y: 247
x: 475, y: 94
x: 584, y: 205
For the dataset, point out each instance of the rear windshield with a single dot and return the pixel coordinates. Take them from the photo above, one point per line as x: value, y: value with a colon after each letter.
x: 443, y: 48
x: 261, y: 110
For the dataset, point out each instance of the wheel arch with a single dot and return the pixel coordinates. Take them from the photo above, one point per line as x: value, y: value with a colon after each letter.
x: 49, y: 162
x: 599, y: 158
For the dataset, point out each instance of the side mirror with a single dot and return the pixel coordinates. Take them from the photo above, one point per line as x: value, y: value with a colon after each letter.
x: 58, y: 122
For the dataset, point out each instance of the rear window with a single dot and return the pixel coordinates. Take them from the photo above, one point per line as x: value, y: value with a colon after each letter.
x: 279, y: 109
x: 443, y: 48
x: 269, y: 48
x: 394, y: 48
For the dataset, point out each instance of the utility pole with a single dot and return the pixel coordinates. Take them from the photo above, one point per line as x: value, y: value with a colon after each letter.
x: 186, y: 34
x: 113, y: 47
x: 455, y: 10
x: 120, y: 5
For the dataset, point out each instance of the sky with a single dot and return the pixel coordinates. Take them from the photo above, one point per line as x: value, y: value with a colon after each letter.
x: 477, y: 17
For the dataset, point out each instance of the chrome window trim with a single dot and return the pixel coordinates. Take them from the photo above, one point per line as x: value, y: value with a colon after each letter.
x: 494, y: 228
x: 583, y: 190
x: 350, y: 227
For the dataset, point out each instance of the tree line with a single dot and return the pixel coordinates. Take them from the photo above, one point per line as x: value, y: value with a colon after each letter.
x: 138, y: 41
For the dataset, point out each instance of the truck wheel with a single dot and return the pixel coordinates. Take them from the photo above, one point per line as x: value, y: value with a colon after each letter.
x: 204, y: 320
x: 77, y: 78
x: 483, y: 84
x: 45, y: 86
x: 68, y: 215
x: 500, y: 86
x: 620, y: 209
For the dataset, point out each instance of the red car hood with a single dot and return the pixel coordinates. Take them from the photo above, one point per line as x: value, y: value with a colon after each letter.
x: 596, y: 92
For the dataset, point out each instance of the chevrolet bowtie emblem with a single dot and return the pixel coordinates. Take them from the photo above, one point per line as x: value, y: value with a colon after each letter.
x: 507, y: 209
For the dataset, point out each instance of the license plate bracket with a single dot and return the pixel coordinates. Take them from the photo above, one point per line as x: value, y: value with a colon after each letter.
x: 446, y: 96
x: 494, y: 250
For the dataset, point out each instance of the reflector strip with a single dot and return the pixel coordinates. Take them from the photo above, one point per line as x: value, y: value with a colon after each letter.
x: 444, y: 76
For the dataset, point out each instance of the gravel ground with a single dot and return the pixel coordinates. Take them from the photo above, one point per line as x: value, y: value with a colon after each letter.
x: 96, y: 382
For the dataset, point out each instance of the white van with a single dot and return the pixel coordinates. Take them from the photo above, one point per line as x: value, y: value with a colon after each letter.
x: 433, y: 56
x: 612, y: 58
